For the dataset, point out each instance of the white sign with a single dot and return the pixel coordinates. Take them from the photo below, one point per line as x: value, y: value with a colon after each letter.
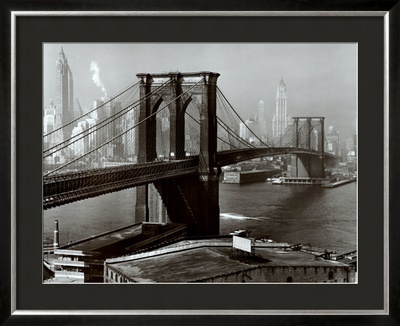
x: 244, y: 244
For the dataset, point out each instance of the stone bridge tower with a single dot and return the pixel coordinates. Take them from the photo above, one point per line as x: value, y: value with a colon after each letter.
x: 308, y: 133
x: 190, y: 200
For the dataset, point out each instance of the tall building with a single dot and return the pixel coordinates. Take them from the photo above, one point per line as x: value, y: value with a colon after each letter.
x: 129, y: 138
x: 51, y: 121
x: 281, y: 119
x: 351, y: 143
x: 64, y: 94
x: 83, y: 144
x: 262, y: 121
x: 250, y: 131
x: 352, y: 154
x: 112, y: 125
x: 332, y: 141
x: 163, y: 133
x: 243, y: 130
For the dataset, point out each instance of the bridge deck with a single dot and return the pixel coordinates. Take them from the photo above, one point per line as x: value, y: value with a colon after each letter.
x: 64, y: 188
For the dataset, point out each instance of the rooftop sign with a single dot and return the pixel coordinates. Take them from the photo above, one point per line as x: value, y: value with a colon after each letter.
x: 244, y: 244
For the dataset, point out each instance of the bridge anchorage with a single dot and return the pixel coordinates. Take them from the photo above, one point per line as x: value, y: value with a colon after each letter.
x: 163, y: 136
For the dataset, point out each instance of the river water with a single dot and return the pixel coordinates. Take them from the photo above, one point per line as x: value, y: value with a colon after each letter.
x: 322, y: 217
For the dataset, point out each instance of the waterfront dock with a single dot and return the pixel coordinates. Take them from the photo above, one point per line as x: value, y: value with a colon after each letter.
x: 337, y: 183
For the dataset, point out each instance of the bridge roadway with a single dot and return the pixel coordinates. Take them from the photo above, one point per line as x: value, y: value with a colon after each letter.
x: 63, y: 188
x: 228, y: 157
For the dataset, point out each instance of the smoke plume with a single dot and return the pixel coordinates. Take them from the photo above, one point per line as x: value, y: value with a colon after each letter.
x: 96, y: 76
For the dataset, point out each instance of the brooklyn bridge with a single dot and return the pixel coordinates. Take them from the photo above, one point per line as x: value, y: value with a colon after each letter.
x: 172, y: 132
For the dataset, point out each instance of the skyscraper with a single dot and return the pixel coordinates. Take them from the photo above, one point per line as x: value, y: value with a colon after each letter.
x: 250, y: 131
x: 332, y: 141
x: 106, y: 109
x: 51, y: 121
x: 64, y: 94
x: 281, y: 119
x: 262, y: 121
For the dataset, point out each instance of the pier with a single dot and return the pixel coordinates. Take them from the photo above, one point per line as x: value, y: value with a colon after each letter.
x: 337, y: 183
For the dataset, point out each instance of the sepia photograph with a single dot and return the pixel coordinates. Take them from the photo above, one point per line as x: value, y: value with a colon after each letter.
x: 200, y: 163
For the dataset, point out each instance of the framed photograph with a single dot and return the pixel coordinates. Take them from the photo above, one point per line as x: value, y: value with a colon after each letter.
x: 118, y: 209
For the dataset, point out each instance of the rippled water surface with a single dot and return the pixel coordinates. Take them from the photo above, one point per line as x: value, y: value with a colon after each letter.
x: 325, y: 218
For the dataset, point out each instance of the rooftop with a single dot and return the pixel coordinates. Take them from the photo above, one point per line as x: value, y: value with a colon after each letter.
x: 117, y: 242
x: 193, y: 260
x: 94, y: 244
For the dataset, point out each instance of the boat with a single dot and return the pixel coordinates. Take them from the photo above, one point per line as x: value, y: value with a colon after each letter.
x: 278, y: 181
x: 273, y: 178
x: 248, y: 176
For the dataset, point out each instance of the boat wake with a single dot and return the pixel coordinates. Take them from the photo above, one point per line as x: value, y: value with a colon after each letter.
x: 242, y: 217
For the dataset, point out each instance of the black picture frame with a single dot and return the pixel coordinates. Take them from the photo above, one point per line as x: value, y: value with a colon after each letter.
x: 21, y: 184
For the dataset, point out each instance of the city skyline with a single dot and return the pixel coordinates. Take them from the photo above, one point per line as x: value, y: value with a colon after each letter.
x: 320, y: 78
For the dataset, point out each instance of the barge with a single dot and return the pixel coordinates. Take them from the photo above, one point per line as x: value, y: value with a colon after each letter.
x: 239, y: 177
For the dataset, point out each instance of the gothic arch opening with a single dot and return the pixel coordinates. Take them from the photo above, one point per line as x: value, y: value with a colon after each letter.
x: 191, y: 110
x: 162, y: 126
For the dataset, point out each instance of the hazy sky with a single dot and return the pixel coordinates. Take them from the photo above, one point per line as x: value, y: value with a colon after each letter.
x: 321, y: 78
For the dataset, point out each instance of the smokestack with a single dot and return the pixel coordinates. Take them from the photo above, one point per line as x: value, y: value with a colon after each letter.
x: 56, y: 236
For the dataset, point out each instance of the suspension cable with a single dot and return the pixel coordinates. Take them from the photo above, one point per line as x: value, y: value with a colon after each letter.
x: 91, y: 111
x: 198, y: 122
x: 225, y: 126
x: 235, y: 135
x: 124, y: 132
x: 240, y: 117
x: 101, y: 124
